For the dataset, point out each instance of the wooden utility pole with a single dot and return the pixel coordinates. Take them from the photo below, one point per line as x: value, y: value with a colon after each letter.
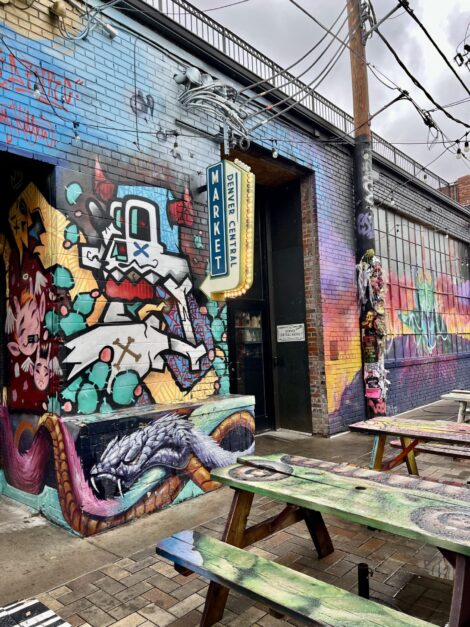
x: 364, y: 224
x: 370, y: 280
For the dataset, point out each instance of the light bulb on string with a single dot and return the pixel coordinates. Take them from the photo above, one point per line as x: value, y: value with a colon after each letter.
x: 37, y: 91
x: 466, y: 146
x: 275, y: 152
x: 175, y: 151
x: 459, y: 150
x: 76, y: 134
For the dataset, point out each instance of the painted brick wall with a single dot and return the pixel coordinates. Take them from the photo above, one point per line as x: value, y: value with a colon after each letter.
x: 121, y: 93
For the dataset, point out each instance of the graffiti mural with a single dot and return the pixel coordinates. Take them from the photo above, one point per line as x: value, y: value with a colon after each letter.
x: 425, y: 320
x: 100, y: 481
x: 102, y: 322
x: 111, y: 314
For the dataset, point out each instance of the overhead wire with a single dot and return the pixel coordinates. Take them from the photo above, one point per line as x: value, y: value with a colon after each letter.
x: 451, y: 104
x: 299, y: 60
x: 413, y: 176
x: 412, y: 14
x: 335, y: 140
x: 90, y: 18
x: 304, y: 87
x: 373, y: 69
x: 416, y: 82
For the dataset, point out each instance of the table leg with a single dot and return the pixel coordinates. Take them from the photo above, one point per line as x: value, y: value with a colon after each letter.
x: 233, y: 534
x: 460, y: 607
x: 462, y: 411
x: 318, y: 532
x: 377, y: 452
x: 410, y: 458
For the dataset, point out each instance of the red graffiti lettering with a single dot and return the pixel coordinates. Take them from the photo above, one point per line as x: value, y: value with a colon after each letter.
x: 20, y: 122
x: 22, y: 76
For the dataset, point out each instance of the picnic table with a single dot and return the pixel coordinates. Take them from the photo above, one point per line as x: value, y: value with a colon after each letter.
x: 435, y: 514
x: 448, y: 438
x: 462, y: 397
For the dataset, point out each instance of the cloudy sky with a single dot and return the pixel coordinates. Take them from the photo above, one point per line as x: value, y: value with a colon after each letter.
x: 281, y: 31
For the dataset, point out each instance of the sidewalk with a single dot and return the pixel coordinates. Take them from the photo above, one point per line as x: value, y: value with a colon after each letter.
x: 116, y: 579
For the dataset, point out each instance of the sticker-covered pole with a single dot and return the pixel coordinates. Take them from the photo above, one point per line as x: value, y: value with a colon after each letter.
x: 370, y: 280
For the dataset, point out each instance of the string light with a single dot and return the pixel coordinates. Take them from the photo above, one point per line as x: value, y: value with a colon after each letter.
x: 76, y: 135
x: 37, y: 91
x: 466, y: 146
x: 275, y: 151
x: 175, y: 151
x: 459, y: 151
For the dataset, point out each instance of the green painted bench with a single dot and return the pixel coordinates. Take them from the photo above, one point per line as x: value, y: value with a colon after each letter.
x: 286, y: 591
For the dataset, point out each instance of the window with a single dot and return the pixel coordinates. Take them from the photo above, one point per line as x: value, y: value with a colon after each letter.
x: 428, y: 288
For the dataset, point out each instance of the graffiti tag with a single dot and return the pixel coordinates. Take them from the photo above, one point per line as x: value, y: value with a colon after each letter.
x: 20, y: 122
x: 365, y: 225
x: 142, y: 105
x: 21, y: 76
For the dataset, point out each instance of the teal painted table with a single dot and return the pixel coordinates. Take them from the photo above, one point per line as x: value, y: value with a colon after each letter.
x: 436, y: 514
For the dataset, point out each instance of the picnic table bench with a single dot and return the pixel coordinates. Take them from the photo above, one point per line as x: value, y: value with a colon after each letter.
x: 442, y: 435
x: 462, y: 397
x: 432, y: 513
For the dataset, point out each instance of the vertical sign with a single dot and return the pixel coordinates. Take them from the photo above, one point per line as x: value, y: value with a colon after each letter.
x: 217, y: 220
x: 230, y: 197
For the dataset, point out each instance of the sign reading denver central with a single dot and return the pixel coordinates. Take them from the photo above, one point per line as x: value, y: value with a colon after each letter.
x: 230, y: 192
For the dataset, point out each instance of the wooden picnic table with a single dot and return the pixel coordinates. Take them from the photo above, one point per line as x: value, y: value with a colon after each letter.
x: 436, y: 514
x: 462, y: 397
x: 411, y: 433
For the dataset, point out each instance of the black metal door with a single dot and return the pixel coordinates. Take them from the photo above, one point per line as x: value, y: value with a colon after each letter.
x: 287, y: 296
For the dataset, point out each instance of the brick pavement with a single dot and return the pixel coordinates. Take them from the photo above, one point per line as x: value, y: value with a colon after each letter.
x: 145, y: 590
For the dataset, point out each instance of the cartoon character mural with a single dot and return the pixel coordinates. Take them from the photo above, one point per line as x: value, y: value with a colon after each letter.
x: 149, y: 323
x: 102, y: 316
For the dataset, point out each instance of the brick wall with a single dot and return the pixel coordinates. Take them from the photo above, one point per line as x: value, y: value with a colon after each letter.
x: 121, y: 92
x: 463, y: 190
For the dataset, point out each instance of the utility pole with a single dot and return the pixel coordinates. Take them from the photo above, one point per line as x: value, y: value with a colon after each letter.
x: 370, y: 280
x: 362, y: 133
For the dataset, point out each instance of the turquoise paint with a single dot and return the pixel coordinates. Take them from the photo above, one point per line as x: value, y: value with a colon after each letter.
x: 47, y: 502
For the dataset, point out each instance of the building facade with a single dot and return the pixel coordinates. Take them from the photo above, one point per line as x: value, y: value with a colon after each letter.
x: 123, y: 383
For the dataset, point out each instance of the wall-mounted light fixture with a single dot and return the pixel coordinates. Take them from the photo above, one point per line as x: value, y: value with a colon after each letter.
x: 58, y: 8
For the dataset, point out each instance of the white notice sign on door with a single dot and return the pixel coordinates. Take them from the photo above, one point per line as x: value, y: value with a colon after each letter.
x: 290, y: 332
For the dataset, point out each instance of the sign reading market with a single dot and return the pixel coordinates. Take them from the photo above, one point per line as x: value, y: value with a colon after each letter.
x: 231, y: 199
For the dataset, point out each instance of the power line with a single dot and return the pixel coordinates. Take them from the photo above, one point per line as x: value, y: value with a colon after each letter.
x: 416, y: 82
x: 254, y: 114
x: 413, y: 176
x: 310, y: 89
x: 271, y: 78
x: 225, y: 6
x: 451, y: 104
x: 411, y: 13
